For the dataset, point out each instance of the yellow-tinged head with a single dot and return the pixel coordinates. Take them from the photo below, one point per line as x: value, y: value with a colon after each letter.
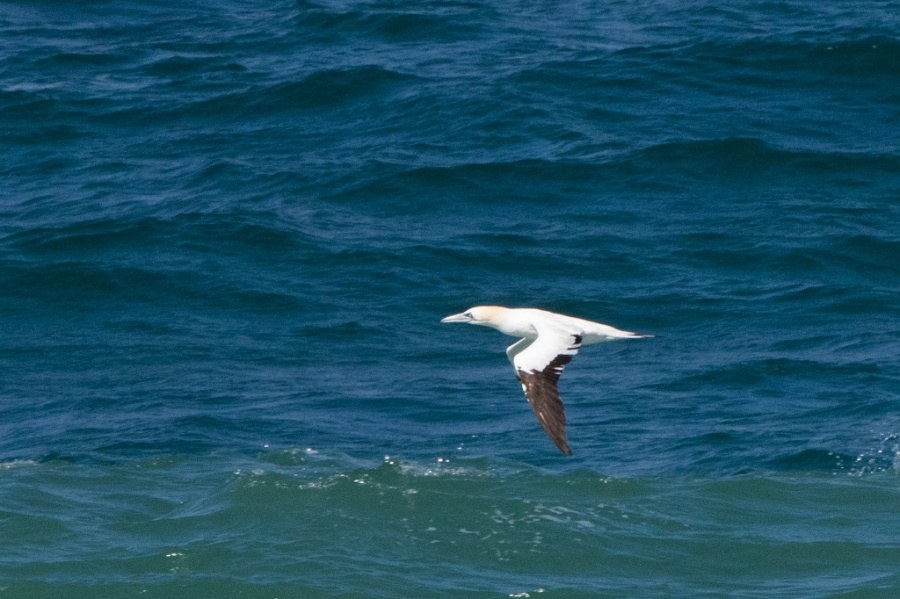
x: 483, y: 315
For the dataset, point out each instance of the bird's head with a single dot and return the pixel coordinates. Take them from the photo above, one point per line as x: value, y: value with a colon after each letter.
x: 482, y: 315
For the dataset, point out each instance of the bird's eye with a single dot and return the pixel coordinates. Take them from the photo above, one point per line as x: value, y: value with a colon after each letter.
x: 469, y: 315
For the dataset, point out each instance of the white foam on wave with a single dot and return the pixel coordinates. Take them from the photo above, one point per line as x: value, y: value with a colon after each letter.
x: 17, y: 464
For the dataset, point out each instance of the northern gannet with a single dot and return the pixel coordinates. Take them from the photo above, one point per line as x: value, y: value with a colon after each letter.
x: 548, y: 342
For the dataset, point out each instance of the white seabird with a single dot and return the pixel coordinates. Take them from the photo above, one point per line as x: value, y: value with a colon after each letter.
x: 548, y: 342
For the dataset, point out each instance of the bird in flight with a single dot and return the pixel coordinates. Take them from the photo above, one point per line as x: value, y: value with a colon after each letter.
x: 548, y: 342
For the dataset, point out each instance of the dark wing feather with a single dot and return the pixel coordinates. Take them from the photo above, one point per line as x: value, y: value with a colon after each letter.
x: 539, y: 374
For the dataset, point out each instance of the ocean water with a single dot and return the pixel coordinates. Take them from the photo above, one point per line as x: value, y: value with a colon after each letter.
x: 228, y: 233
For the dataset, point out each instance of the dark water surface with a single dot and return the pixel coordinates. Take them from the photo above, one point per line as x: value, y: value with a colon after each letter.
x: 228, y: 234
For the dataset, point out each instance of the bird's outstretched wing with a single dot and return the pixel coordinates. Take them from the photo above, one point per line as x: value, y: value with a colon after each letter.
x: 539, y: 366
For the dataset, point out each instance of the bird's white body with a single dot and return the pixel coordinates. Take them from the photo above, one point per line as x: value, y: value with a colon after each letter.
x: 527, y: 322
x: 548, y: 342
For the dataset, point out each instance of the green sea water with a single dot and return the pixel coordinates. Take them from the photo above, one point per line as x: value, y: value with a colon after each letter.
x: 296, y: 524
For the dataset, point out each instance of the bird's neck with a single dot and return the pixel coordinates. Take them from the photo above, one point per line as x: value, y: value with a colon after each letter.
x: 511, y: 322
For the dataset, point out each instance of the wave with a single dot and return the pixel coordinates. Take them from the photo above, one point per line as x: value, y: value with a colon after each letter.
x: 152, y: 259
x: 448, y: 23
x: 250, y: 231
x: 248, y: 99
x: 753, y: 158
x: 282, y: 520
x: 756, y: 372
x: 841, y: 56
x: 324, y: 90
x: 674, y: 166
x: 756, y: 60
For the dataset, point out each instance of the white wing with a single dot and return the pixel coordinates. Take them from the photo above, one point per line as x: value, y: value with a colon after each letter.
x: 516, y: 348
x: 539, y: 366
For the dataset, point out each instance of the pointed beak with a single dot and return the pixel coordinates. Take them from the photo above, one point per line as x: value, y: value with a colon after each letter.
x: 456, y: 318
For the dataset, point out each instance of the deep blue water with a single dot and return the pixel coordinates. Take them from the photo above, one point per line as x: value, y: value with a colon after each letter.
x: 228, y: 233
